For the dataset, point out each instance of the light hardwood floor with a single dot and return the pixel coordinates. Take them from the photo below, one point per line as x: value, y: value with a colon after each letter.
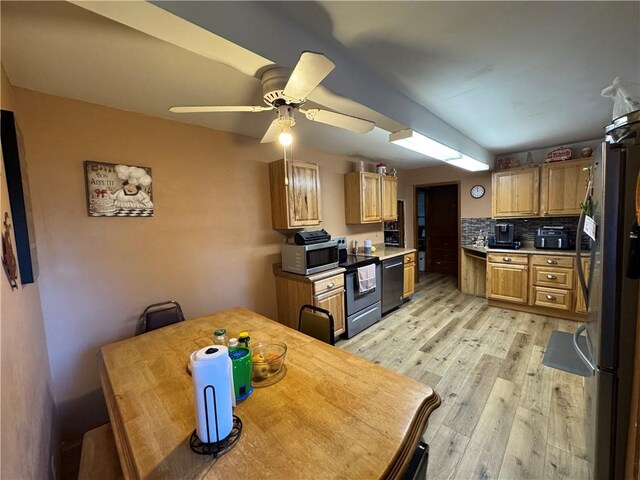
x: 503, y: 414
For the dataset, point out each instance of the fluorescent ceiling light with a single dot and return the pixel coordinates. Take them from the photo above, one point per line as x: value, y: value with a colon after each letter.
x: 468, y: 163
x: 424, y: 145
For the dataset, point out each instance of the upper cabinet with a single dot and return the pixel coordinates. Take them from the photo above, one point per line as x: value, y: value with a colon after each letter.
x: 389, y: 198
x: 563, y: 186
x: 516, y: 193
x: 362, y: 198
x: 370, y: 198
x: 295, y: 194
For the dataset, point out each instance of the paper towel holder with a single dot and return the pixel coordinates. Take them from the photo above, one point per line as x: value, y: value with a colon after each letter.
x: 218, y: 447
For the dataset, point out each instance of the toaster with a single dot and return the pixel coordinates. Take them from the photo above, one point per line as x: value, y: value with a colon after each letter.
x: 552, y: 237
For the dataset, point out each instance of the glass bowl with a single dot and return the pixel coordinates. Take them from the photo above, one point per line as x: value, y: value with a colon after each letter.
x: 267, y: 359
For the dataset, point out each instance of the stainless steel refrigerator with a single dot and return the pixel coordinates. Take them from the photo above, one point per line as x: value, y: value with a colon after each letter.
x: 611, y: 292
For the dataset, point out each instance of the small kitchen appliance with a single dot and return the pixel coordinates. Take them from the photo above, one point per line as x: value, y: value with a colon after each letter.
x: 552, y: 237
x: 504, y: 237
x: 310, y: 258
x: 311, y: 237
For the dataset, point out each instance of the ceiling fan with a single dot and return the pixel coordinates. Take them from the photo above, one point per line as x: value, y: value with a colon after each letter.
x: 286, y: 91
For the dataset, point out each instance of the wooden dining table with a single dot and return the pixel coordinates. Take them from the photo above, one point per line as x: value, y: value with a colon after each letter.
x: 332, y: 415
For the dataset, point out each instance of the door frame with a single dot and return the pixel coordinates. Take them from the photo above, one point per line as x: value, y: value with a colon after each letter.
x: 415, y: 221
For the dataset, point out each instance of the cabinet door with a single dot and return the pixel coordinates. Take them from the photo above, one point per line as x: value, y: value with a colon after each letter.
x: 507, y: 283
x: 563, y: 186
x: 409, y: 283
x: 304, y: 194
x: 581, y: 306
x: 371, y: 202
x: 516, y: 193
x: 389, y: 198
x: 334, y: 302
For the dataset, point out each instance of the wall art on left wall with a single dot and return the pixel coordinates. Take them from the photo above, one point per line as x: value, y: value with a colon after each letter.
x: 118, y: 190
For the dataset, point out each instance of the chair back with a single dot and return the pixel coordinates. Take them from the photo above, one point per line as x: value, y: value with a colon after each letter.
x: 160, y: 315
x: 317, y: 323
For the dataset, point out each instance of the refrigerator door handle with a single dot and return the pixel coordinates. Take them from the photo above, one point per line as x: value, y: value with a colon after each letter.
x: 579, y: 351
x: 581, y: 276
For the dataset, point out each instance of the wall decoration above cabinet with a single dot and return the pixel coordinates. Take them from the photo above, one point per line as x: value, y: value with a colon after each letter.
x: 295, y: 194
x: 370, y: 198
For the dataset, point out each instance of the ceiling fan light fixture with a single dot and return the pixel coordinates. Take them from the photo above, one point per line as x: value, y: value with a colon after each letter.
x: 422, y: 144
x: 285, y: 138
x: 468, y: 163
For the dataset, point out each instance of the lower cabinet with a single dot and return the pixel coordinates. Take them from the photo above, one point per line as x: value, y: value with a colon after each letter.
x: 409, y: 274
x: 324, y: 290
x: 508, y: 283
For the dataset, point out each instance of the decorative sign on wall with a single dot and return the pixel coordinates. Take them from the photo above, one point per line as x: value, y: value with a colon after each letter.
x: 116, y: 190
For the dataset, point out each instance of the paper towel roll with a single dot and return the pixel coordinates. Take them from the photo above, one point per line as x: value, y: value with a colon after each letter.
x: 212, y: 366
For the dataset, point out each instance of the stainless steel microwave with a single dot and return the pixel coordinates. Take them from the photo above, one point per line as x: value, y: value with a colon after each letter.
x: 310, y: 259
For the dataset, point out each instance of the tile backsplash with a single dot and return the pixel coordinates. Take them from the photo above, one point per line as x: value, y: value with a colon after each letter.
x: 525, y: 228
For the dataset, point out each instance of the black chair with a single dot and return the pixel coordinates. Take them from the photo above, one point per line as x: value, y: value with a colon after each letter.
x: 317, y: 323
x: 159, y: 315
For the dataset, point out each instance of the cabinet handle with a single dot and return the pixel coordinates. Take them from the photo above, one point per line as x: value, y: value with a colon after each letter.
x: 552, y: 277
x: 551, y: 297
x: 551, y: 261
x: 330, y: 285
x: 506, y: 259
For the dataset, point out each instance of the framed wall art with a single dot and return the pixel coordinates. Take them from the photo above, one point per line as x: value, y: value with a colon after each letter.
x: 118, y: 190
x: 15, y: 166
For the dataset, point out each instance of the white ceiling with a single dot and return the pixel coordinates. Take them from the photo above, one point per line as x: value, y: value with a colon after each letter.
x: 509, y: 76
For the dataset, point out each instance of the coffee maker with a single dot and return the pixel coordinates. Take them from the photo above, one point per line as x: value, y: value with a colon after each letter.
x: 504, y: 237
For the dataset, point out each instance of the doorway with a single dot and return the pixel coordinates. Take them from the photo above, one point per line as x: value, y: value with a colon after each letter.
x: 437, y: 228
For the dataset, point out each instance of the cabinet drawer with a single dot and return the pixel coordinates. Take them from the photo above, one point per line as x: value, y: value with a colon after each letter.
x: 508, y: 258
x: 327, y: 284
x: 410, y: 258
x: 552, y: 298
x: 557, y: 261
x: 553, y: 277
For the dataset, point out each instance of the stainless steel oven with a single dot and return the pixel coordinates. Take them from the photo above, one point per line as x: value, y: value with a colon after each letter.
x: 362, y: 309
x: 310, y: 259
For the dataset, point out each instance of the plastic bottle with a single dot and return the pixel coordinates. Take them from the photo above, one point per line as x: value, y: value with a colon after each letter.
x: 243, y: 339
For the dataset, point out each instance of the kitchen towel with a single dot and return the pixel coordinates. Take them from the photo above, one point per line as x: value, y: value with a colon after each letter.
x: 211, y: 366
x: 367, y: 278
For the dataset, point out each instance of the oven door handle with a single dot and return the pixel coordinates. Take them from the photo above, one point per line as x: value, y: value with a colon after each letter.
x: 394, y: 265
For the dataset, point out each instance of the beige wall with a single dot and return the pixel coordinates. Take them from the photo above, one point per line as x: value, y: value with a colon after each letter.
x: 469, y: 207
x: 27, y: 407
x: 210, y: 244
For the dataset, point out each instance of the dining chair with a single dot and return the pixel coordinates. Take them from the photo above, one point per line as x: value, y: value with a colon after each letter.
x: 159, y: 315
x: 317, y: 323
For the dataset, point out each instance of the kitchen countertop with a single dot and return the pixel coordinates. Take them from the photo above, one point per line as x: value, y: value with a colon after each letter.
x: 525, y: 250
x: 332, y: 414
x: 384, y: 253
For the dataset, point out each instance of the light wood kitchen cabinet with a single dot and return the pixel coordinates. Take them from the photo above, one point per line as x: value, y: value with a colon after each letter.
x: 295, y: 194
x: 507, y: 282
x: 409, y: 274
x: 563, y: 185
x: 362, y: 198
x: 389, y: 197
x: 581, y: 305
x: 324, y: 290
x: 516, y: 193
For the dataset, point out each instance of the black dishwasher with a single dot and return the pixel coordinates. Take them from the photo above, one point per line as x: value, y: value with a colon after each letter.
x: 392, y: 283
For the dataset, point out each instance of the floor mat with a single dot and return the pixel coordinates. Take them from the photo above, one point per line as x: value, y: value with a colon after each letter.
x: 562, y: 355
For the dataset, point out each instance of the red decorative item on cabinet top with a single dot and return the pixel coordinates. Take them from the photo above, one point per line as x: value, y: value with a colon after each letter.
x: 558, y: 155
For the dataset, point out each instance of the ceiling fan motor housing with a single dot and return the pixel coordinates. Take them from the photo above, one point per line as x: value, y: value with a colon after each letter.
x: 273, y: 83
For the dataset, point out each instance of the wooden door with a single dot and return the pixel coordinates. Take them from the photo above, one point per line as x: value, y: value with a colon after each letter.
x: 441, y: 207
x: 304, y: 194
x: 581, y: 306
x: 334, y: 302
x: 507, y: 283
x: 516, y: 193
x: 409, y: 281
x: 562, y: 187
x: 389, y: 198
x: 371, y: 201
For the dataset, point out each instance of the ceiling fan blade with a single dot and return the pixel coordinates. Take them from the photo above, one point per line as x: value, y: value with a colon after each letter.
x: 219, y: 108
x: 272, y: 133
x: 310, y: 70
x: 340, y: 120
